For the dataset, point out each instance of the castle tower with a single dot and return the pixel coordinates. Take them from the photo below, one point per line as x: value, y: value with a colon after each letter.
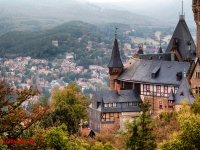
x: 115, y: 65
x: 183, y: 39
x: 196, y: 11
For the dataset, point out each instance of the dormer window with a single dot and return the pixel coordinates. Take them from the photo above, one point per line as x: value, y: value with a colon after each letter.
x: 179, y: 76
x: 153, y: 75
x: 106, y: 105
x: 131, y: 104
x: 155, y: 72
x: 182, y: 94
x: 110, y: 105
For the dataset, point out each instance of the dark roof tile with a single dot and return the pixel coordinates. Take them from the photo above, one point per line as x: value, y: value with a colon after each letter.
x: 115, y: 61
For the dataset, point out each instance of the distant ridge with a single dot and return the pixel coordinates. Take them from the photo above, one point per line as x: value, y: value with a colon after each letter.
x: 32, y: 15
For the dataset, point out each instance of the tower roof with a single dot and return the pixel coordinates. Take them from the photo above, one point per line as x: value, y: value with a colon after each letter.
x: 115, y: 61
x: 171, y: 96
x: 183, y: 36
x: 160, y: 49
x: 184, y: 92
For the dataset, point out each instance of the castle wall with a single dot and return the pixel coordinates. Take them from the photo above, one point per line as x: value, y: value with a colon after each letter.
x: 195, y: 79
x: 110, y: 127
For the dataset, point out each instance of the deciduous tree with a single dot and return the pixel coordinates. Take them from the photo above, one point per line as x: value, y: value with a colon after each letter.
x: 14, y: 119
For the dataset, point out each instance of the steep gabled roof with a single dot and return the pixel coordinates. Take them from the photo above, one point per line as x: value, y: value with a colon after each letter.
x: 184, y: 92
x: 115, y: 61
x: 139, y: 71
x: 125, y: 96
x: 171, y: 96
x: 183, y: 36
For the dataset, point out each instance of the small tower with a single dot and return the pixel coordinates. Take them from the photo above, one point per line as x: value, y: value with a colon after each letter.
x: 183, y: 36
x: 140, y: 51
x: 115, y: 65
x: 196, y: 11
x: 160, y: 49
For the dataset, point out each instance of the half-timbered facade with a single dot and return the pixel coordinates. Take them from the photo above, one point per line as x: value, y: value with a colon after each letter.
x: 162, y: 79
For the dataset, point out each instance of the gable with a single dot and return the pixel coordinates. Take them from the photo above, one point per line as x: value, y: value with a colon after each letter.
x: 183, y: 36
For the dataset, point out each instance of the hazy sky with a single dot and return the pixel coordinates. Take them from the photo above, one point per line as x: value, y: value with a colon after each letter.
x: 135, y: 1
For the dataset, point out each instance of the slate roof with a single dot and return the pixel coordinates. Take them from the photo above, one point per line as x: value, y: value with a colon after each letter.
x: 184, y: 92
x: 115, y: 61
x: 140, y: 71
x: 183, y: 36
x: 112, y: 97
x: 159, y: 56
x: 171, y: 96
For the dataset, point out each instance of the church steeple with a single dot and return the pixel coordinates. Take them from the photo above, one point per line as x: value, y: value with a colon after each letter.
x: 115, y: 65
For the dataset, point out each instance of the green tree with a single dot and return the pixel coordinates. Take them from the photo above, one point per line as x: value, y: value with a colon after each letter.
x: 97, y: 146
x: 188, y: 136
x: 57, y: 138
x: 68, y: 106
x: 140, y: 132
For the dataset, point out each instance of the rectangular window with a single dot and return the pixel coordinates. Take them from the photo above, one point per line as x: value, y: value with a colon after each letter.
x: 110, y: 104
x: 160, y: 104
x: 165, y: 90
x: 106, y: 105
x: 135, y: 103
x: 114, y: 104
x: 146, y: 88
x: 158, y: 89
x: 175, y: 90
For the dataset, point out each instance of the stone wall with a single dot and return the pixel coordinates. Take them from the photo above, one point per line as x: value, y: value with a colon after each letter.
x: 110, y: 128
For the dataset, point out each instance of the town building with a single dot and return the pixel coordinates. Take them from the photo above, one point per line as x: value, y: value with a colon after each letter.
x: 162, y: 79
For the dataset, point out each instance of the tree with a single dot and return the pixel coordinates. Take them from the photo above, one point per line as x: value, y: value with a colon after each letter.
x: 188, y: 136
x: 68, y: 106
x: 57, y: 138
x: 14, y: 119
x: 140, y: 131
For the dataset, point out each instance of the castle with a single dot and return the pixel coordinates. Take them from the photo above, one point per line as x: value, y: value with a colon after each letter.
x: 162, y: 79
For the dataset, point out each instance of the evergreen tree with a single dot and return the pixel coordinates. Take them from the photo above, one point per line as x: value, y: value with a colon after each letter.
x: 141, y: 135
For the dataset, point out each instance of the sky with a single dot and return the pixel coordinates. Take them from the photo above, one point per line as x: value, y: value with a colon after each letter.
x: 167, y: 10
x: 135, y: 1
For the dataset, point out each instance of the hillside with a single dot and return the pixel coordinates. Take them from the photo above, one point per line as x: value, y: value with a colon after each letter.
x: 73, y: 36
x: 25, y: 15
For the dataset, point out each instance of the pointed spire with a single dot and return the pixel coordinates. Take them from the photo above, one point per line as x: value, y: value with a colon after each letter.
x: 184, y: 92
x: 182, y: 16
x: 116, y: 33
x: 160, y: 49
x: 115, y: 61
x: 140, y: 51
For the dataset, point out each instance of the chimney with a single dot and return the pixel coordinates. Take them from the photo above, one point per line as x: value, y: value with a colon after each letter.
x: 115, y: 85
x: 118, y: 89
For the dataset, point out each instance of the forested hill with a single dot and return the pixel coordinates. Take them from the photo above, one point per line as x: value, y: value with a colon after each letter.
x: 38, y: 44
x: 34, y: 15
